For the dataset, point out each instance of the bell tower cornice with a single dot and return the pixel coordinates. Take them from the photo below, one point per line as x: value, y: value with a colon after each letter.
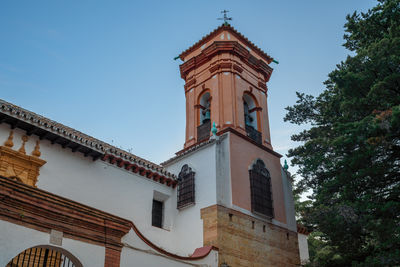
x: 230, y: 47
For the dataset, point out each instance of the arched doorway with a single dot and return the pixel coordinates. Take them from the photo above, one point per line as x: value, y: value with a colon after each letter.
x: 44, y: 256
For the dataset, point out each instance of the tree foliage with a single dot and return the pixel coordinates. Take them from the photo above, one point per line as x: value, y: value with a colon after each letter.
x: 350, y: 155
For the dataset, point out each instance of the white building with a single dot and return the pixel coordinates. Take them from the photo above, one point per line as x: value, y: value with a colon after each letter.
x: 68, y: 198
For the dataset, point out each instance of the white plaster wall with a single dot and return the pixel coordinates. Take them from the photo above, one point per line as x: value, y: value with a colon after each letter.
x: 188, y: 227
x: 100, y: 185
x: 303, y: 248
x: 136, y: 253
x: 289, y: 202
x: 223, y: 171
x: 112, y: 189
x: 15, y: 238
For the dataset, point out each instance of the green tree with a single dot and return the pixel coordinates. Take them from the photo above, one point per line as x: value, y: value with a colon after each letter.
x: 350, y: 155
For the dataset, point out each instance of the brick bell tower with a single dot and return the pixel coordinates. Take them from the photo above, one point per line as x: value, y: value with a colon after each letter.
x: 252, y: 221
x: 226, y: 78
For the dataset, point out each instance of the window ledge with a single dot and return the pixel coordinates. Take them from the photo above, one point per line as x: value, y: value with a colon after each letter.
x: 186, y: 206
x: 161, y: 228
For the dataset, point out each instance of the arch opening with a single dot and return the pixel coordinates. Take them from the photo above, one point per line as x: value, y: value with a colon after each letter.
x: 205, y: 108
x: 250, y: 112
x: 204, y: 116
x: 44, y: 256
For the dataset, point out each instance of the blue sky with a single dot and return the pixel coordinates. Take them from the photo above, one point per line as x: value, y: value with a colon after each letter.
x: 106, y: 68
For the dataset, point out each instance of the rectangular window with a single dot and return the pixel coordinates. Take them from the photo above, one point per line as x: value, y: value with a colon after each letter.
x: 157, y: 213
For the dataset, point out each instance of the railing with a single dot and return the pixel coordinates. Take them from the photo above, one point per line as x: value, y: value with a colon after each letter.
x: 203, y: 131
x: 254, y: 134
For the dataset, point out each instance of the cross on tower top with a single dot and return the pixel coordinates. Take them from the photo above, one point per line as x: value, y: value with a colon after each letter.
x: 225, y: 18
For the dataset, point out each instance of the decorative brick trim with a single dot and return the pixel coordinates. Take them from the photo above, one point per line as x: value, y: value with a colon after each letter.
x: 229, y: 129
x: 65, y: 136
x: 195, y: 256
x: 35, y: 208
x: 113, y: 257
x: 232, y: 47
x: 255, y: 109
x: 189, y: 83
x: 163, y: 177
x: 301, y: 229
x: 237, y: 68
x: 40, y: 210
x: 262, y: 85
x: 226, y: 65
x: 214, y: 68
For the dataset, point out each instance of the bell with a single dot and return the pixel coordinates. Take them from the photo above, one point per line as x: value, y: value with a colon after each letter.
x: 207, y: 115
x: 248, y: 120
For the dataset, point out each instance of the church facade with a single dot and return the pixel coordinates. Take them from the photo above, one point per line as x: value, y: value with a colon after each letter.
x: 68, y: 199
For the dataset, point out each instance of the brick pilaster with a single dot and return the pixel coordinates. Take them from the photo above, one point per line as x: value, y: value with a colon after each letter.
x: 113, y: 257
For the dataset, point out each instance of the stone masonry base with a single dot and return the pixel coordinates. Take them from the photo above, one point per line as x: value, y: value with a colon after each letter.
x: 246, y: 241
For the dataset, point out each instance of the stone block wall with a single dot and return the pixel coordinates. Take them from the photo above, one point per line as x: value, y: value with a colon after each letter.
x: 246, y: 241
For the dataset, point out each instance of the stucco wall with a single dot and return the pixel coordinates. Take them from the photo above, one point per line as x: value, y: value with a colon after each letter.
x: 15, y: 238
x: 136, y: 253
x: 289, y: 202
x: 187, y: 220
x: 243, y: 154
x: 303, y: 247
x: 111, y: 189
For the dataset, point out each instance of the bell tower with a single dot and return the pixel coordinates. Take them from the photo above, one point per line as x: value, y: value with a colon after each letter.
x: 243, y: 194
x: 226, y: 78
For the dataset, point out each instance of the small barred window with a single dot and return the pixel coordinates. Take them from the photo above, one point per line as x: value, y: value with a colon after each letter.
x: 261, y: 193
x: 157, y: 213
x: 185, y: 187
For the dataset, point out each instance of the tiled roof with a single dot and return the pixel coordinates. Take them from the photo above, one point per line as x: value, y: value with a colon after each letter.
x: 76, y: 136
x: 188, y: 150
x: 233, y: 30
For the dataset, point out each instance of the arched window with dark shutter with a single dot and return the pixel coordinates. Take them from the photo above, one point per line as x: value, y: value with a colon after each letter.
x: 261, y: 193
x: 186, y: 187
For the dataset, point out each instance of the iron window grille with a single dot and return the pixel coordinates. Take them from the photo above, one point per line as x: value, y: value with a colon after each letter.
x: 186, y: 187
x: 157, y: 213
x: 203, y: 131
x: 254, y: 134
x: 261, y: 193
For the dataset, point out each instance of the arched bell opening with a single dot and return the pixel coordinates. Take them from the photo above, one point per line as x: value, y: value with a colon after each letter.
x: 204, y: 116
x: 250, y: 111
x: 252, y: 118
x: 205, y: 108
x: 44, y: 256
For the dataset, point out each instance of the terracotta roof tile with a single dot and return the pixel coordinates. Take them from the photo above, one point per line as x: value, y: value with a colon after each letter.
x: 75, y: 135
x: 183, y: 152
x: 233, y: 30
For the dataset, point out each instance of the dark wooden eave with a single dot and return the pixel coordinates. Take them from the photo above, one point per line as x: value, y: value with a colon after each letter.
x: 54, y: 138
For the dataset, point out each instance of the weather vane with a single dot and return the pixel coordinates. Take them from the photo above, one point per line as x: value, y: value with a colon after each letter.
x: 225, y: 18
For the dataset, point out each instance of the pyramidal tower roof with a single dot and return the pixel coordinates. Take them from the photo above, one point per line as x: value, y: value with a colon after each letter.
x: 233, y: 31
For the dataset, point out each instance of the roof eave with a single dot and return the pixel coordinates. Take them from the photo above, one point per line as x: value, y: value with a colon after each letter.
x: 238, y: 35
